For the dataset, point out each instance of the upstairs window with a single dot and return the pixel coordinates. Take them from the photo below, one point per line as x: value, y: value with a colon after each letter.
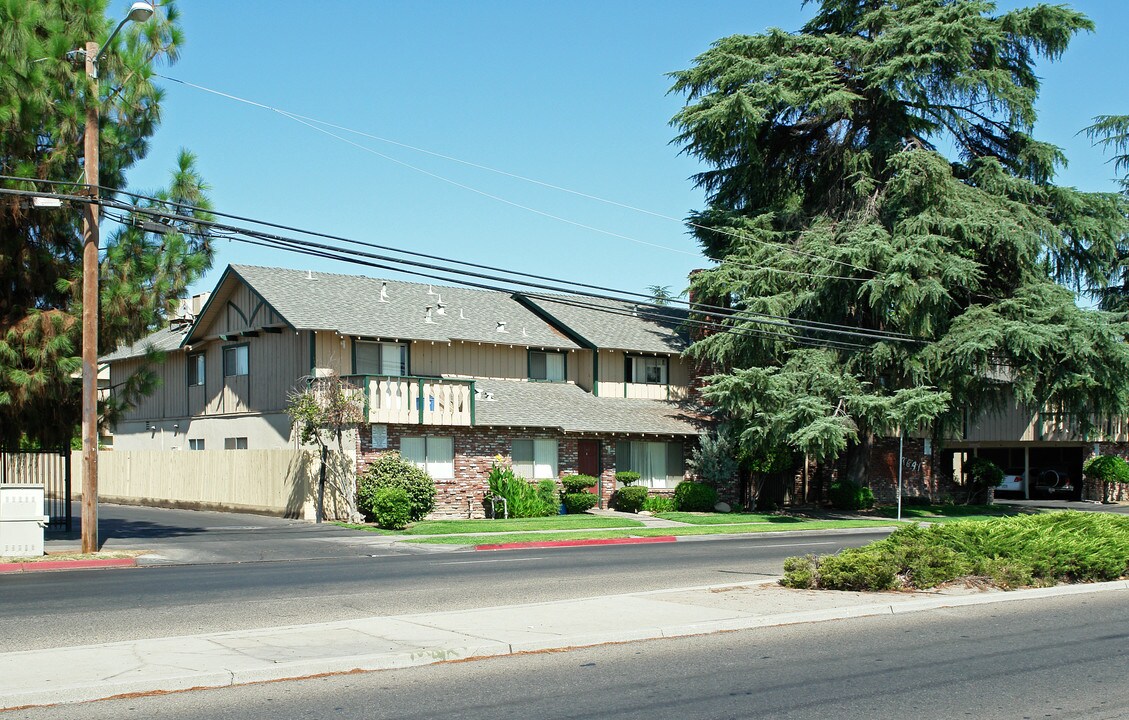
x: 235, y: 443
x: 547, y: 366
x: 196, y: 369
x: 196, y: 443
x: 235, y: 361
x: 380, y: 358
x: 646, y: 370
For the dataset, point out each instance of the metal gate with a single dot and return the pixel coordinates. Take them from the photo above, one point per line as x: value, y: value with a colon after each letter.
x: 49, y: 468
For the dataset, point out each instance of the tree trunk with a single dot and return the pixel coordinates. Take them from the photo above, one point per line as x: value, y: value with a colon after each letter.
x: 321, y: 482
x: 858, y: 459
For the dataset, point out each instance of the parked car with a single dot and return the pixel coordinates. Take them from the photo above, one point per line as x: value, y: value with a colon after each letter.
x: 1051, y: 482
x: 1012, y: 482
x: 1045, y: 482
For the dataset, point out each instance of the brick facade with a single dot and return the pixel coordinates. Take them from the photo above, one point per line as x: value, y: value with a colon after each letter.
x: 1091, y: 489
x: 475, y: 451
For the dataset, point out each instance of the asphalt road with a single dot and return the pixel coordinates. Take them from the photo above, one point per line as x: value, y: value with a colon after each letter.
x: 83, y: 607
x: 1062, y: 657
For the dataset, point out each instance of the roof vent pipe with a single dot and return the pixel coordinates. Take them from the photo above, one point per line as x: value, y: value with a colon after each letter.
x: 502, y: 327
x: 461, y: 315
x: 383, y: 291
x: 427, y: 316
x: 440, y: 308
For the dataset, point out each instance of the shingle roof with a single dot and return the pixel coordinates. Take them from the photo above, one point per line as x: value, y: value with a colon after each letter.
x: 163, y: 340
x: 616, y: 325
x: 568, y: 407
x: 351, y: 305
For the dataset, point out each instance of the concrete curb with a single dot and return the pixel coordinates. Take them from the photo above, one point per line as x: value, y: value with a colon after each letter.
x: 285, y: 653
x: 44, y: 565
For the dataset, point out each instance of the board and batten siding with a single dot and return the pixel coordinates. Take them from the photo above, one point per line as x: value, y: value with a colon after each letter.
x: 467, y: 359
x: 244, y: 310
x: 613, y: 383
x: 1016, y: 423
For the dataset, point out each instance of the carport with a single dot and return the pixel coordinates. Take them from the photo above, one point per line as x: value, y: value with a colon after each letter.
x: 1048, y: 467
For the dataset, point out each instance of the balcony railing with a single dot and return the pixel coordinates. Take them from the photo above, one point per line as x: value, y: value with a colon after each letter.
x: 416, y: 400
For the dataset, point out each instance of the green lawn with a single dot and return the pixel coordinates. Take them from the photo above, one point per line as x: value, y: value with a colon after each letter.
x: 951, y: 513
x: 728, y: 518
x: 553, y: 522
x: 648, y: 532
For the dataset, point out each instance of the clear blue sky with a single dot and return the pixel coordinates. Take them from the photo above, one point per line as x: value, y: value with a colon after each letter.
x: 572, y: 94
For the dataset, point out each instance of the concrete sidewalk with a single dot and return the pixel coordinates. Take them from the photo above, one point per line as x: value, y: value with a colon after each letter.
x: 84, y: 673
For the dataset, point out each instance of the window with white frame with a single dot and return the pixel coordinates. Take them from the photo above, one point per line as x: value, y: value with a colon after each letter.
x: 659, y: 464
x: 535, y: 459
x: 195, y: 443
x: 648, y: 370
x: 548, y: 366
x: 196, y: 369
x: 235, y: 361
x: 381, y: 358
x: 433, y: 455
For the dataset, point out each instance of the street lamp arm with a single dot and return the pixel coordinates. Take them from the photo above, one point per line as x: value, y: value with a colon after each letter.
x: 138, y: 12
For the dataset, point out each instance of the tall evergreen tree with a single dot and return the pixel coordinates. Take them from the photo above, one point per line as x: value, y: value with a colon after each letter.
x: 43, y: 96
x: 877, y: 170
x: 1112, y: 133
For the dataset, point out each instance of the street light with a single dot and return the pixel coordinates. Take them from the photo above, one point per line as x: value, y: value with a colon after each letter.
x: 139, y: 12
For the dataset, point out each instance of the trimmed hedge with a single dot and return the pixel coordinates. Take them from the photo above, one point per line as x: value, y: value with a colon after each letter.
x: 690, y: 496
x: 629, y: 499
x: 391, y: 470
x: 627, y: 477
x: 576, y: 503
x: 577, y: 483
x: 391, y: 508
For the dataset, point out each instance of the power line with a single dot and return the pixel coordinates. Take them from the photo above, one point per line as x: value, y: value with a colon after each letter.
x: 699, y: 306
x: 339, y: 254
x: 314, y: 123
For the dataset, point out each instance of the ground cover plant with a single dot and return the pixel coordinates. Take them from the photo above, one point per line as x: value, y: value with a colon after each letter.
x: 1009, y: 552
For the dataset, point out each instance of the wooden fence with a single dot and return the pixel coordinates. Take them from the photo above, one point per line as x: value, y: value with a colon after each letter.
x: 269, y: 482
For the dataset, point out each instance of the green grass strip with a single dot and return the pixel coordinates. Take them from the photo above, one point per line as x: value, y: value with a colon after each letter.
x: 646, y: 532
x: 730, y: 518
x: 555, y: 522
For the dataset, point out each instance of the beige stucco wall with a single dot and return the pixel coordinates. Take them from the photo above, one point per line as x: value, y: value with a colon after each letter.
x: 263, y: 432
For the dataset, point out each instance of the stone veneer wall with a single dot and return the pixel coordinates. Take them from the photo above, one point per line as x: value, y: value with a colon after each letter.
x: 475, y: 450
x: 1092, y: 490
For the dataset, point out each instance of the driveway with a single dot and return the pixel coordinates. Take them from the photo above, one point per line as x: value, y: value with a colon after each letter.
x: 1082, y: 505
x: 197, y: 536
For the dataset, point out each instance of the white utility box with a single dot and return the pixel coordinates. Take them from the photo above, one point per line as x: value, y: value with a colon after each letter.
x: 22, y: 520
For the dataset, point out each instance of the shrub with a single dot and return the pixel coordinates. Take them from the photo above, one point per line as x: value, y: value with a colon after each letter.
x: 576, y: 503
x: 658, y: 504
x: 391, y: 470
x: 577, y: 483
x: 630, y: 498
x: 523, y: 500
x: 547, y: 491
x: 692, y: 496
x: 391, y: 508
x: 1013, y: 552
x: 627, y: 477
x: 845, y: 495
x: 1106, y: 469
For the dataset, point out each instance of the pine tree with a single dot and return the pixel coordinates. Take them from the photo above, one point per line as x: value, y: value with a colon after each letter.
x: 877, y: 170
x: 43, y: 95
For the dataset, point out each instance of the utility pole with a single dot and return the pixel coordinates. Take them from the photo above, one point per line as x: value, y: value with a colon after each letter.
x: 138, y: 12
x: 90, y: 239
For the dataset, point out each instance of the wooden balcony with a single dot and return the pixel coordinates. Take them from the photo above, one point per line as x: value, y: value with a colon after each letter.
x: 416, y: 400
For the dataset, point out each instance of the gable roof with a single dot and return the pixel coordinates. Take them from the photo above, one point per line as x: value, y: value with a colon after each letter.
x: 163, y: 340
x: 352, y: 305
x: 614, y: 325
x: 516, y: 403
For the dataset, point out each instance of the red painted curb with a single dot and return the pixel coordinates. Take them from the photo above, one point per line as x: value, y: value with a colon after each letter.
x: 66, y: 565
x: 577, y: 543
